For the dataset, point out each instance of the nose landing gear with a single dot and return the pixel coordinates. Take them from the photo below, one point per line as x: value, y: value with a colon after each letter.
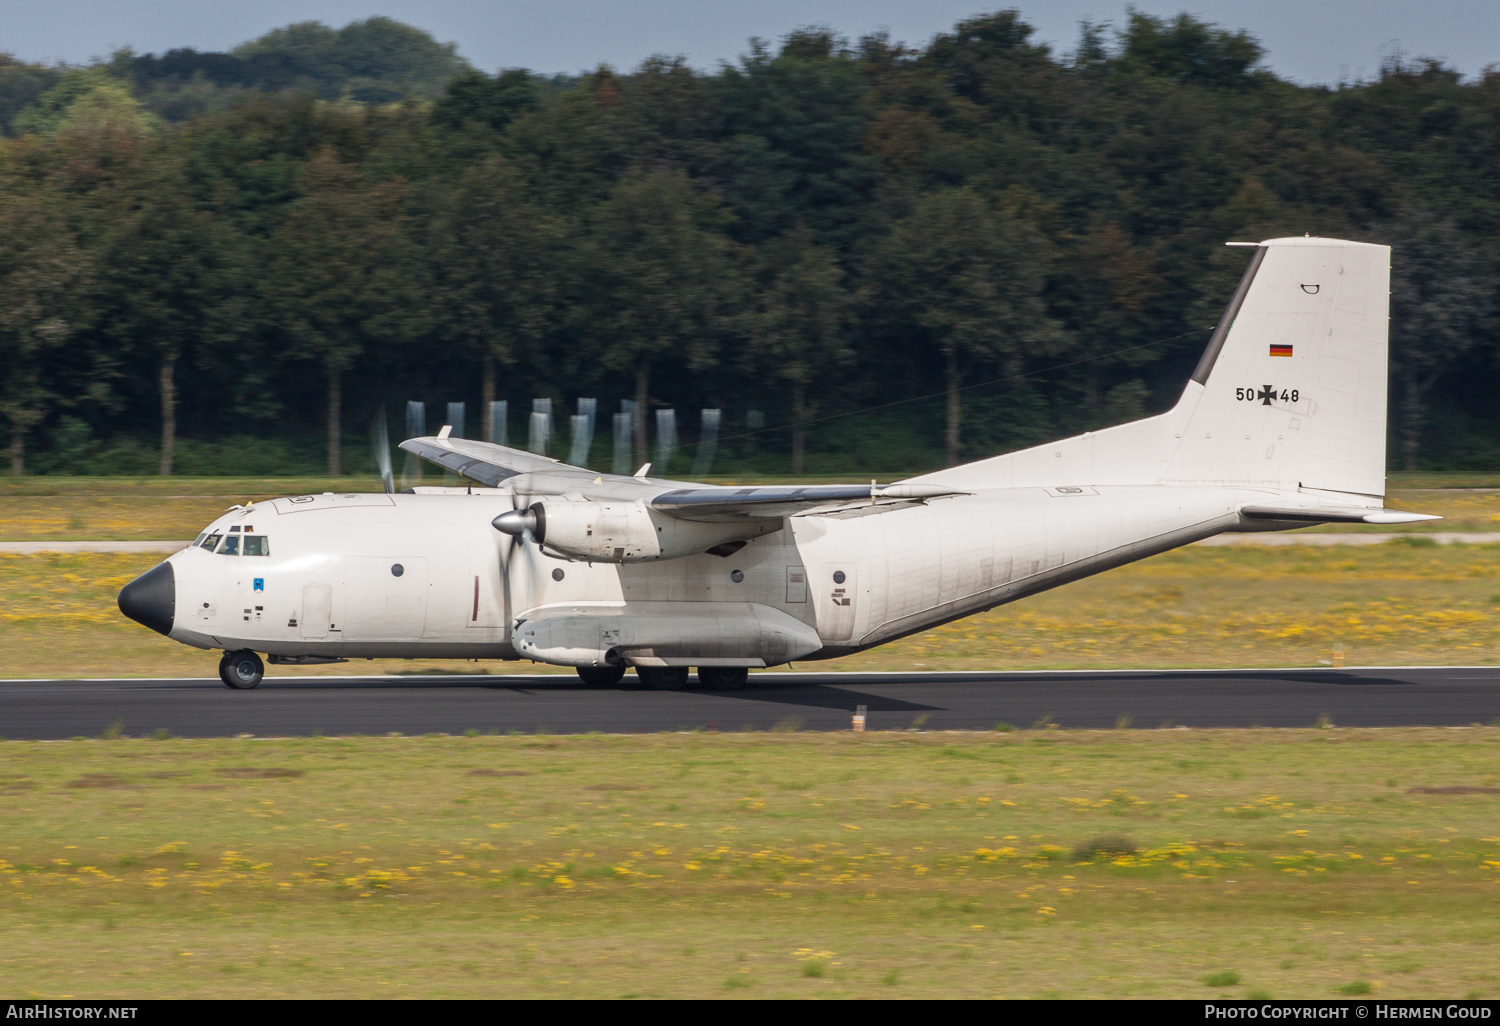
x: 241, y: 670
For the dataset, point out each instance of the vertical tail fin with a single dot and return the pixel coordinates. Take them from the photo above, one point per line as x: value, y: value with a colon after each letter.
x: 1291, y: 391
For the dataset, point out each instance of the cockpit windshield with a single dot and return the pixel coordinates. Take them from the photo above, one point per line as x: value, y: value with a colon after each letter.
x: 230, y: 544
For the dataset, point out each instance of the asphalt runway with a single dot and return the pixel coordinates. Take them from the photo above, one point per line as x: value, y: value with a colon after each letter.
x: 287, y: 706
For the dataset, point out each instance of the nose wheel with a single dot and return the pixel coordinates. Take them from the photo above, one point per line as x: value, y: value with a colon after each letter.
x: 241, y: 670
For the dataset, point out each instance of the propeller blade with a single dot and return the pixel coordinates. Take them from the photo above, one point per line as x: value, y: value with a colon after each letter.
x: 519, y: 511
x: 509, y: 610
x: 380, y: 445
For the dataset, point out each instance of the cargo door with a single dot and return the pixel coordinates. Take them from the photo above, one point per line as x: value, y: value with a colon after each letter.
x: 484, y: 593
x: 837, y: 602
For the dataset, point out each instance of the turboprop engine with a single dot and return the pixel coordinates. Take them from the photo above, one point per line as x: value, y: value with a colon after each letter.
x: 623, y: 532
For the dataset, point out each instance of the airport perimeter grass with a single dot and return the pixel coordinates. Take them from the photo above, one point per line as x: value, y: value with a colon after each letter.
x: 1172, y: 863
x: 1408, y: 602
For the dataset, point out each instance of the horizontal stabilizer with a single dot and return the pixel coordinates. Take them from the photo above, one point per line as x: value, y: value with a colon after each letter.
x: 1333, y: 516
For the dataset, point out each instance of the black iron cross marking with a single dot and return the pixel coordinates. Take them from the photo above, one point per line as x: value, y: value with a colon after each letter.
x: 1266, y: 394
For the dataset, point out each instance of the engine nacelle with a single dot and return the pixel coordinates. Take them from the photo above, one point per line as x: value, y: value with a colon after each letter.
x: 630, y: 532
x: 606, y: 532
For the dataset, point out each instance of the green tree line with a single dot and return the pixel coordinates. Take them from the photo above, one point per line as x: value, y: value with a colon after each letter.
x: 903, y: 256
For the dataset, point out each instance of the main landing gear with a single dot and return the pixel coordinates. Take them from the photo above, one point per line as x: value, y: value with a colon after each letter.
x: 723, y: 678
x: 667, y: 678
x: 663, y: 678
x: 605, y: 676
x: 241, y: 670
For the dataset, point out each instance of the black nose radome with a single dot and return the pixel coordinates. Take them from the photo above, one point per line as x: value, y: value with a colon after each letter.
x: 151, y: 599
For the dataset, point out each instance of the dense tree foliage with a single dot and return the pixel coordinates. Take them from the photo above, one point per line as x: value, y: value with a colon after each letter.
x: 228, y: 261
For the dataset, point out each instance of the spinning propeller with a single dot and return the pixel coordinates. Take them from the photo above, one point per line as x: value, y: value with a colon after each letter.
x: 380, y: 445
x: 524, y: 521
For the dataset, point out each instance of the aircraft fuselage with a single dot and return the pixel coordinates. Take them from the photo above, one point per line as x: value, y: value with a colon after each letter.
x: 408, y: 576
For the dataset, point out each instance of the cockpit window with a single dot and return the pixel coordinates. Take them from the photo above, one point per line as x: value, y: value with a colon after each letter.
x: 230, y: 546
x: 209, y: 541
x: 257, y: 545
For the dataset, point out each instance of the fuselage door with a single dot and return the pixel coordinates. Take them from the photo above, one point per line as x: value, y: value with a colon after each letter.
x: 837, y: 602
x: 796, y: 584
x: 317, y: 609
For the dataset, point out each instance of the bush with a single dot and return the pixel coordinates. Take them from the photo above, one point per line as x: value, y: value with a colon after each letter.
x: 1105, y: 846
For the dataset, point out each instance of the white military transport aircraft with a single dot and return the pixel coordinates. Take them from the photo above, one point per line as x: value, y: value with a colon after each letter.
x: 1282, y: 425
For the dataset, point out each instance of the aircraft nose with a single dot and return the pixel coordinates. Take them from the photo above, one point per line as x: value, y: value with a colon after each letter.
x: 151, y: 599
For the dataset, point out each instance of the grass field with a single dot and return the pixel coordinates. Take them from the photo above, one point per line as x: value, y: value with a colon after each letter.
x: 1028, y: 863
x: 1172, y: 863
x: 1402, y: 602
x: 119, y: 509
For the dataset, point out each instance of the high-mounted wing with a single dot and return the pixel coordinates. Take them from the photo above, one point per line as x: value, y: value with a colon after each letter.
x: 484, y: 462
x: 769, y: 502
x: 492, y: 465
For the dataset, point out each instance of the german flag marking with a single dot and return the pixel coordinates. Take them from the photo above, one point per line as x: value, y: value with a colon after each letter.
x: 1281, y: 350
